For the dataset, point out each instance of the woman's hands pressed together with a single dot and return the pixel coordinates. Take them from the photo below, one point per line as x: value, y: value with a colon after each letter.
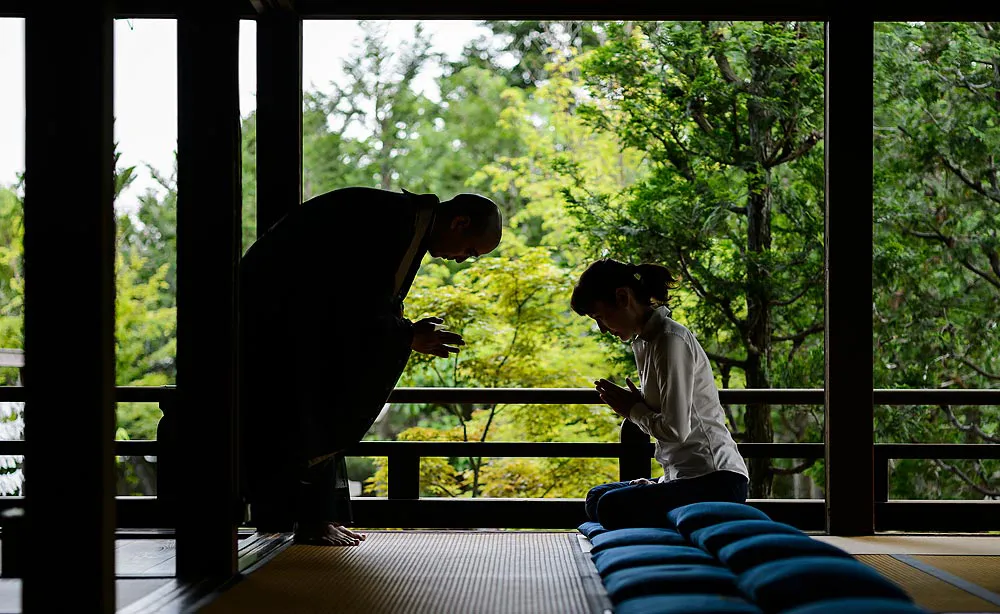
x: 619, y: 399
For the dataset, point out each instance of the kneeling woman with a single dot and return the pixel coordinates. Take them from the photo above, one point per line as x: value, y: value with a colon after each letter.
x: 677, y: 403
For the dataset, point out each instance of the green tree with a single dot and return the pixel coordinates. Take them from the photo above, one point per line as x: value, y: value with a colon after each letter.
x: 729, y: 115
x: 379, y: 102
x: 512, y: 312
x: 936, y: 252
x: 519, y: 51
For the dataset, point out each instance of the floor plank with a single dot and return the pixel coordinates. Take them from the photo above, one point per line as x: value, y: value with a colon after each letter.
x: 127, y: 591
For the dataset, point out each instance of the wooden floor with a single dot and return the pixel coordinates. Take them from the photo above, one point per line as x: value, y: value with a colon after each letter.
x: 143, y: 565
x: 946, y: 573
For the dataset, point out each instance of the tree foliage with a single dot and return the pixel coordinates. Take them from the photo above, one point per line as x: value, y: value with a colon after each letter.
x: 697, y: 145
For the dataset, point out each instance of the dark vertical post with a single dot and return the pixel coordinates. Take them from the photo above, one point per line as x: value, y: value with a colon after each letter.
x: 69, y: 246
x: 634, y: 461
x: 208, y: 249
x: 279, y: 115
x: 404, y: 475
x: 849, y: 380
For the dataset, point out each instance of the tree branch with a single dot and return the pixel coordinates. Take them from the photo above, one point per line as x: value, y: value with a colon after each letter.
x: 968, y: 363
x: 798, y: 152
x: 794, y: 470
x: 950, y: 242
x: 725, y: 360
x: 961, y: 474
x: 932, y: 236
x: 725, y: 68
x: 799, y: 337
x: 958, y: 171
x: 799, y: 295
x: 967, y: 428
x: 704, y: 294
x: 983, y: 274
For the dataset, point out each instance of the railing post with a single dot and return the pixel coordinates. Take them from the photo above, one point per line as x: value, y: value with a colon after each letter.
x: 404, y: 475
x: 881, y: 476
x: 633, y: 463
x: 166, y: 462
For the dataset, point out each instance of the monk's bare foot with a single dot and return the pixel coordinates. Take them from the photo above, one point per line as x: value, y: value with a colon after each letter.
x: 327, y: 534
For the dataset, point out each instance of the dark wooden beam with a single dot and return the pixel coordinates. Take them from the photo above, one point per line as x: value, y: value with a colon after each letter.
x: 69, y: 247
x: 208, y: 249
x: 885, y: 10
x: 480, y: 513
x: 849, y: 376
x: 279, y: 114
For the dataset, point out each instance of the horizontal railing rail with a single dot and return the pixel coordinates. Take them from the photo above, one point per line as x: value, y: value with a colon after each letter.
x: 404, y: 456
x: 588, y: 396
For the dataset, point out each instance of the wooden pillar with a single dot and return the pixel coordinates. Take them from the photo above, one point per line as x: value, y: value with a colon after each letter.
x: 634, y: 462
x: 208, y: 249
x: 69, y: 246
x: 279, y: 113
x: 849, y: 379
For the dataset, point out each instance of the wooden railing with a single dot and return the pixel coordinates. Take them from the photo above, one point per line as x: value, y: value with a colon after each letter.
x: 404, y: 506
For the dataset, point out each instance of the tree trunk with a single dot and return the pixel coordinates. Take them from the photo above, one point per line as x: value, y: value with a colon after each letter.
x: 758, y: 281
x: 759, y: 427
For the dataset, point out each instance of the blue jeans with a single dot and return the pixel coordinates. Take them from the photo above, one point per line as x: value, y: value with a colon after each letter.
x: 619, y: 504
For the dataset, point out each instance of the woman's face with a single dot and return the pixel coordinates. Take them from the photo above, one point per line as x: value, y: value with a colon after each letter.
x: 616, y: 318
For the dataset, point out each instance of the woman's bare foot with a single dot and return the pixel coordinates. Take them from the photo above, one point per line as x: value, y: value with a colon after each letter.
x: 327, y: 534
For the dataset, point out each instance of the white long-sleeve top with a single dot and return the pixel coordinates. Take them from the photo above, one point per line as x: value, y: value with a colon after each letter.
x: 681, y: 409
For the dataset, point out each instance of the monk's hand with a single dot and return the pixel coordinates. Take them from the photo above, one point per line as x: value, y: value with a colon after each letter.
x: 619, y: 399
x: 430, y: 337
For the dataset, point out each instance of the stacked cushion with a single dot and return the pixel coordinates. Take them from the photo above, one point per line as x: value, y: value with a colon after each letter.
x: 858, y: 606
x: 671, y: 580
x: 590, y: 529
x: 689, y: 518
x: 730, y: 557
x: 747, y: 553
x: 716, y: 537
x: 687, y: 604
x: 633, y: 537
x: 785, y: 584
x: 625, y: 557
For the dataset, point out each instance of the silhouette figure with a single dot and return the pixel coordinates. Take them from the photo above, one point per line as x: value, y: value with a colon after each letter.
x: 324, y: 340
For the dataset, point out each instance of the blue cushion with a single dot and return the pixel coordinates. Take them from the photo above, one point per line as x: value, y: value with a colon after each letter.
x: 752, y: 551
x: 624, y: 557
x: 686, y: 604
x: 714, y: 538
x: 670, y: 579
x: 590, y: 529
x: 631, y: 537
x: 858, y: 606
x: 782, y: 585
x: 690, y: 518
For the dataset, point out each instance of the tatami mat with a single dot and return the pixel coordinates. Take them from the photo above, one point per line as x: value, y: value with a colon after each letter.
x: 983, y: 571
x: 422, y: 572
x: 931, y: 591
x: 916, y: 544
